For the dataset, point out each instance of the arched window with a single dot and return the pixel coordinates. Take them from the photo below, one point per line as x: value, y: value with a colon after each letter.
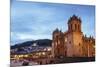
x: 79, y: 44
x: 69, y: 42
x: 58, y: 42
x: 71, y: 26
x: 78, y: 27
x: 65, y: 39
x: 75, y: 26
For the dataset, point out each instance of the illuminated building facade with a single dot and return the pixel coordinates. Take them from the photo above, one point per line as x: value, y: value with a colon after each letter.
x: 72, y: 43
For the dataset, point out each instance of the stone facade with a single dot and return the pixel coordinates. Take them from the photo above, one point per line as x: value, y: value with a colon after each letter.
x: 72, y: 43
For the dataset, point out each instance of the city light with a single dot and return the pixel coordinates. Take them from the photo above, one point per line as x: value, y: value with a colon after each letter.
x: 43, y: 53
x: 49, y: 49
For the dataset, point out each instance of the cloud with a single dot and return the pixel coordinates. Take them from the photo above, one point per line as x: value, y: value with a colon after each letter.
x: 33, y: 20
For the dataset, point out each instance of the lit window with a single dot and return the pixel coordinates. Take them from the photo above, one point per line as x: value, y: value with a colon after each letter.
x: 39, y: 54
x: 43, y: 53
x: 65, y: 39
x: 49, y: 49
x: 26, y: 55
x: 21, y: 55
x: 15, y: 55
x: 58, y: 42
x: 45, y: 49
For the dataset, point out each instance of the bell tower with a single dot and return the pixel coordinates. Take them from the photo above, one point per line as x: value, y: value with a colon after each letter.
x: 74, y: 24
x: 74, y: 37
x: 58, y: 44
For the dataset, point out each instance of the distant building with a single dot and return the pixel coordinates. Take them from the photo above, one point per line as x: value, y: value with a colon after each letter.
x: 33, y: 52
x: 72, y: 43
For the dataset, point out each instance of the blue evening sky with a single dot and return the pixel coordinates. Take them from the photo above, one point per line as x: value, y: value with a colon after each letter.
x: 34, y: 20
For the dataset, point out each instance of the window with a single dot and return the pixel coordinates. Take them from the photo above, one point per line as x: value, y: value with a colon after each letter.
x: 78, y: 27
x: 75, y: 26
x: 65, y: 39
x: 79, y: 44
x: 58, y: 42
x: 71, y: 26
x: 69, y: 42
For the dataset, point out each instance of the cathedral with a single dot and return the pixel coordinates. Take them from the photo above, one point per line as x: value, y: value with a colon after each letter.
x: 72, y: 43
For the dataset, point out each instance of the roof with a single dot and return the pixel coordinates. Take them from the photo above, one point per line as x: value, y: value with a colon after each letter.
x: 74, y: 17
